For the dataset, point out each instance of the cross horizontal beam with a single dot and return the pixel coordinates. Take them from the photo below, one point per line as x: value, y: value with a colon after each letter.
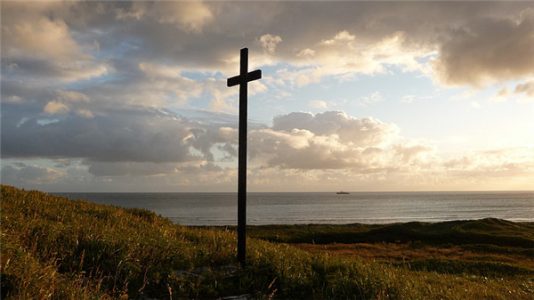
x: 254, y: 75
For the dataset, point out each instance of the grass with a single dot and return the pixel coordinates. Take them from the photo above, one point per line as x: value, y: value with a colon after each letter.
x: 55, y: 248
x: 490, y: 232
x: 487, y: 247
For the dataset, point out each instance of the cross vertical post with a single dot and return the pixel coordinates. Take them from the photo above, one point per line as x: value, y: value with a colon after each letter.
x: 242, y: 79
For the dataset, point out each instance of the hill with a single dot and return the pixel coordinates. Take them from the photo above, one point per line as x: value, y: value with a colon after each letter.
x: 53, y: 247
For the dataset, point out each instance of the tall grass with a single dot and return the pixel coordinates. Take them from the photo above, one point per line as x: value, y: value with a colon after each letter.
x: 52, y: 247
x: 489, y: 232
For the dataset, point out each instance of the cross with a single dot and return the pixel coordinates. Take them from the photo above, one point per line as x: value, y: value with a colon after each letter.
x: 242, y: 79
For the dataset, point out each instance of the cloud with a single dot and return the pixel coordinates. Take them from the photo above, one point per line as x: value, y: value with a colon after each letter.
x: 23, y: 174
x: 307, y: 52
x: 349, y: 129
x: 98, y: 168
x: 85, y: 113
x: 163, y: 84
x: 160, y: 71
x: 501, y: 96
x: 487, y: 50
x: 42, y: 38
x: 329, y: 39
x: 137, y: 135
x: 414, y: 98
x: 340, y: 38
x: 492, y: 163
x: 269, y: 42
x: 71, y: 96
x: 121, y: 176
x: 332, y: 140
x: 318, y: 104
x: 55, y: 107
x: 526, y: 88
x: 344, y: 55
x: 336, y: 141
x: 190, y: 16
x: 373, y: 98
x: 300, y: 150
x: 36, y: 46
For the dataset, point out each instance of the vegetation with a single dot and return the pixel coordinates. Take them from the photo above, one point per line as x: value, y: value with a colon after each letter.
x: 488, y: 247
x: 52, y: 247
x: 491, y: 232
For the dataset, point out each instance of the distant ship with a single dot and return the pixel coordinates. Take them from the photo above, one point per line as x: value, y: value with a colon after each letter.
x: 342, y: 193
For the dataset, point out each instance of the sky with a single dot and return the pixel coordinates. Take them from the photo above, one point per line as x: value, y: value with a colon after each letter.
x: 356, y: 96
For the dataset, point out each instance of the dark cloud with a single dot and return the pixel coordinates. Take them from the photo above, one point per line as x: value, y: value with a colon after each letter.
x: 21, y: 174
x: 122, y: 135
x: 488, y: 50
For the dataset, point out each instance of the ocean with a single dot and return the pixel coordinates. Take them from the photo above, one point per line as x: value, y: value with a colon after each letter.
x: 325, y: 208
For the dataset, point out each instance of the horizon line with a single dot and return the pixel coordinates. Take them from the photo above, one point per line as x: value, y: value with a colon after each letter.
x: 271, y: 192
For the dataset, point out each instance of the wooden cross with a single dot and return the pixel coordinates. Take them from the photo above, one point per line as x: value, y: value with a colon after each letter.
x: 242, y: 79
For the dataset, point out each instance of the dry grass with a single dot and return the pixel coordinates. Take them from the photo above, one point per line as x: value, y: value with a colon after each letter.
x: 55, y: 248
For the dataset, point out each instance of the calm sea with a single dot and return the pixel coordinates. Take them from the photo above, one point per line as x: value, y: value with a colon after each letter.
x: 304, y: 208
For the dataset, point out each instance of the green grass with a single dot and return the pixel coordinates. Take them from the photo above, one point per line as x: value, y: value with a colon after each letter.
x: 52, y: 247
x: 491, y: 232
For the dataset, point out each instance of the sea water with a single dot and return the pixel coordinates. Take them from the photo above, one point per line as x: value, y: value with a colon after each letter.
x: 325, y: 208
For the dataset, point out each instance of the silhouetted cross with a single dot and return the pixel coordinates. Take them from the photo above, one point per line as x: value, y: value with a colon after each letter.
x: 242, y: 79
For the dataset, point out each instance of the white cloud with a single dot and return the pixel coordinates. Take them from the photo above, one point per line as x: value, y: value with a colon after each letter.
x: 331, y: 140
x: 340, y: 38
x: 349, y: 129
x: 344, y: 56
x: 318, y: 104
x: 373, y: 98
x: 269, y: 42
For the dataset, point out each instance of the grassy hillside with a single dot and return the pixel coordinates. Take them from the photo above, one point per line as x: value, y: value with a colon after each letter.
x: 52, y: 247
x: 487, y: 247
x: 489, y: 231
